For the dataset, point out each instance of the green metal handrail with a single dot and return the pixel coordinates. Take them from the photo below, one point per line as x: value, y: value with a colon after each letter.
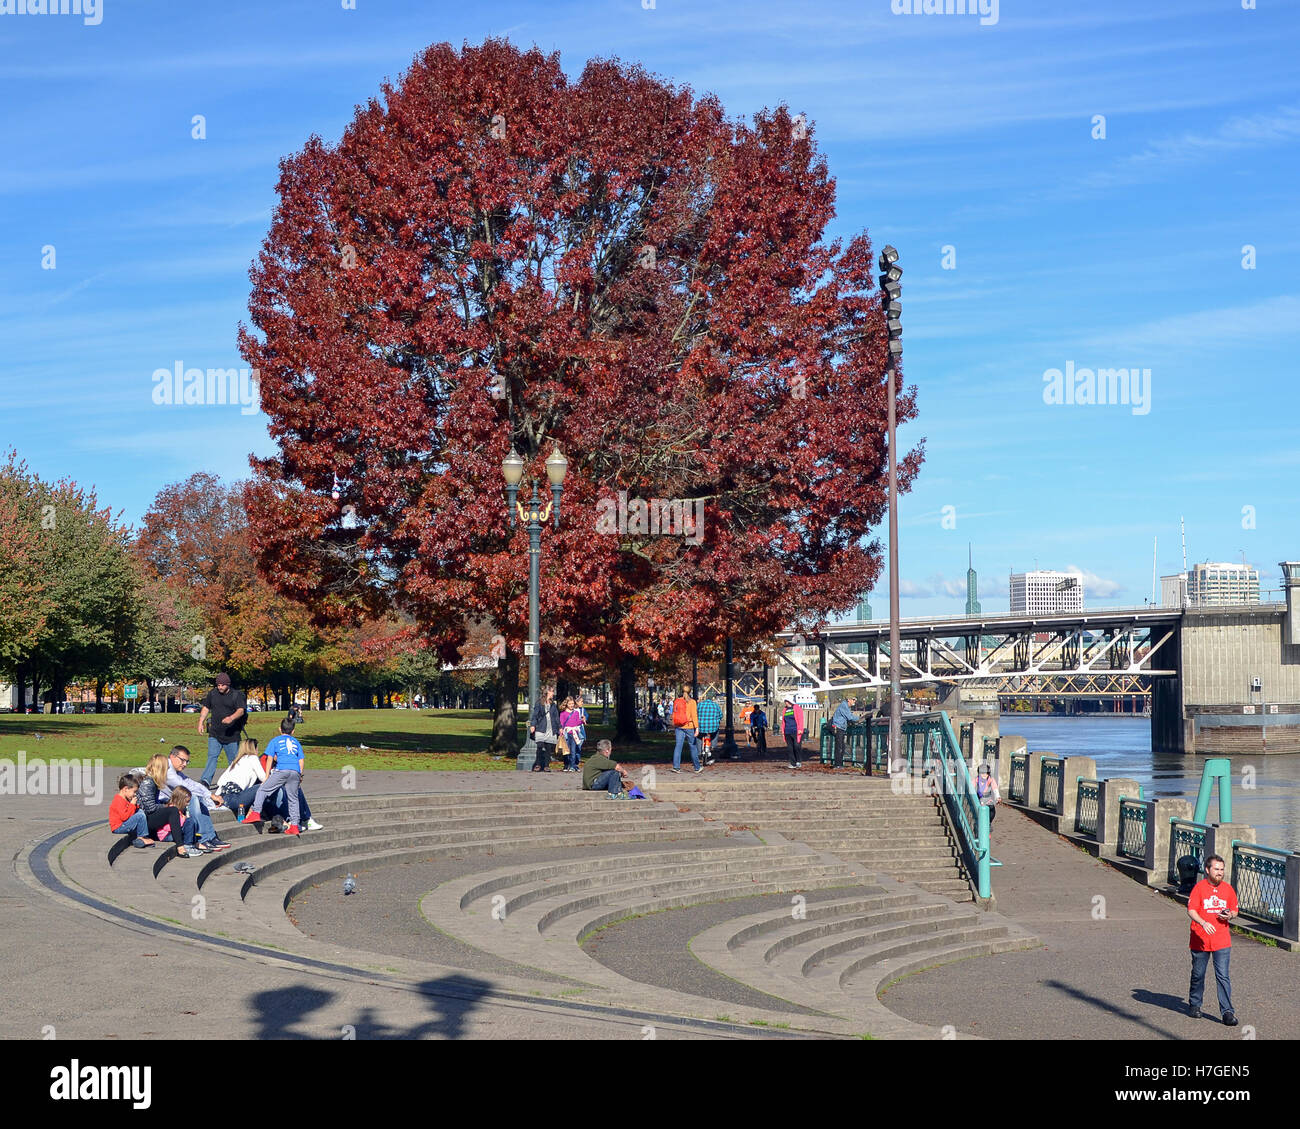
x: 1086, y: 806
x: 1132, y: 829
x: 1049, y: 784
x: 1019, y: 772
x: 929, y: 743
x: 1186, y: 837
x: 1260, y: 881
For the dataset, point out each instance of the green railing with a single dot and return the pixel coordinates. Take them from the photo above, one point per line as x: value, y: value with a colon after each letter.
x: 1049, y: 784
x: 857, y: 747
x: 1132, y: 829
x: 1259, y: 878
x: 990, y: 748
x: 1018, y: 786
x: 1085, y: 806
x: 930, y: 746
x: 966, y: 742
x: 1185, y: 838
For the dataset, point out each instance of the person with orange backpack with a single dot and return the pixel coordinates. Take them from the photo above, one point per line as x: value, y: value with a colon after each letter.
x: 686, y: 723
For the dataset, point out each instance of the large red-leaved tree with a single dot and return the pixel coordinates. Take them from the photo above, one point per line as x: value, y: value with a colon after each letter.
x: 494, y: 255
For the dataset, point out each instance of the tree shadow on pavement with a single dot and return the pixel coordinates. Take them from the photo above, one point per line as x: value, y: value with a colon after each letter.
x: 282, y: 1013
x: 1107, y: 1006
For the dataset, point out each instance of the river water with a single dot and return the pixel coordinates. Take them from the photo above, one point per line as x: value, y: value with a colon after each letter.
x: 1121, y: 747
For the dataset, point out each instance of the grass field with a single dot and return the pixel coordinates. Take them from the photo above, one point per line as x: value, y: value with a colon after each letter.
x: 394, y: 739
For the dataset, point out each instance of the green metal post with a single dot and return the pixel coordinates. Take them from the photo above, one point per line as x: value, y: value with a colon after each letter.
x: 982, y: 818
x: 1216, y: 768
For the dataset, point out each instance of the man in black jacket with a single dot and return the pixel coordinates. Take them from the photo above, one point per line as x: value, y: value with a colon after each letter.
x: 544, y: 727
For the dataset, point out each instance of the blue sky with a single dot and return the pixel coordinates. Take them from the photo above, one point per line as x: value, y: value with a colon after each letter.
x: 1122, y: 251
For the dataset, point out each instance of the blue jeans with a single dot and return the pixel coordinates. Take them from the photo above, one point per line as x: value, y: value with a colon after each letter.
x: 608, y: 781
x: 136, y: 825
x: 573, y: 758
x: 1197, y: 990
x: 198, y: 813
x: 686, y: 735
x: 215, y: 748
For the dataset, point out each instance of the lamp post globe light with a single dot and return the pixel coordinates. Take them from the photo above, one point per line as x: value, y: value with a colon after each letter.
x: 534, y: 517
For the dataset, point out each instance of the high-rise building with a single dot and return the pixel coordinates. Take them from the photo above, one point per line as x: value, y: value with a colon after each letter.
x: 1210, y: 584
x: 1042, y: 592
x: 972, y: 584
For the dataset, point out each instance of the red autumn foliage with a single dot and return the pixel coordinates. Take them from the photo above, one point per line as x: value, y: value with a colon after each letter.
x: 493, y: 254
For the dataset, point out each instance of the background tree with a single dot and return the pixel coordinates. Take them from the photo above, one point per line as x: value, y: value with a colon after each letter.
x: 495, y: 256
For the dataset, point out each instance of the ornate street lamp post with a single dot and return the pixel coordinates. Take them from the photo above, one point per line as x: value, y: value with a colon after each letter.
x: 534, y: 517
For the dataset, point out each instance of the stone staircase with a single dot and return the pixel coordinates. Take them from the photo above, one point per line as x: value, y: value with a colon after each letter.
x: 871, y: 906
x: 856, y: 818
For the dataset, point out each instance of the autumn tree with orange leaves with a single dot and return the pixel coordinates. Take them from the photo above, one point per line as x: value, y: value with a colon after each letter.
x: 494, y: 255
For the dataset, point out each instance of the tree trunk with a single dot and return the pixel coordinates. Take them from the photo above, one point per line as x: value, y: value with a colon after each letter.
x: 625, y: 702
x: 20, y: 673
x: 505, y: 725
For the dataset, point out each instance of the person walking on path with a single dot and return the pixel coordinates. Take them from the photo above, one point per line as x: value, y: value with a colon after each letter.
x: 602, y: 773
x: 840, y: 722
x: 1213, y: 903
x: 986, y: 788
x: 793, y: 729
x: 286, y: 749
x: 544, y: 727
x: 710, y: 715
x: 758, y: 726
x: 227, y: 710
x: 573, y: 722
x: 686, y: 723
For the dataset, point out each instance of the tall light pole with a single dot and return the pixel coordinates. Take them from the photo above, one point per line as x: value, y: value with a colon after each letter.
x: 730, y: 750
x: 512, y: 468
x: 890, y: 289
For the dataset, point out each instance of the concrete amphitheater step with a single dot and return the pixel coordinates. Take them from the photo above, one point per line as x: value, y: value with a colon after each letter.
x: 834, y: 959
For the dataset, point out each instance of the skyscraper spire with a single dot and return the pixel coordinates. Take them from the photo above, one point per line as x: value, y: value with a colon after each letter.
x: 972, y: 583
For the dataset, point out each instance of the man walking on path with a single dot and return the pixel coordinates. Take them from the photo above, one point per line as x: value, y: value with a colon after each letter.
x: 228, y: 711
x: 840, y: 722
x: 1213, y: 903
x: 686, y: 722
x: 793, y: 730
x: 710, y: 714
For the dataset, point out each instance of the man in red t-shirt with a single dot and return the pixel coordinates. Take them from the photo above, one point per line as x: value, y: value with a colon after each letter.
x: 1212, y: 905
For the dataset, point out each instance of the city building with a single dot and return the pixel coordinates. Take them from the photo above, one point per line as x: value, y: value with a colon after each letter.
x: 1044, y: 592
x: 1210, y: 584
x: 863, y: 615
x: 972, y: 584
x: 1173, y: 590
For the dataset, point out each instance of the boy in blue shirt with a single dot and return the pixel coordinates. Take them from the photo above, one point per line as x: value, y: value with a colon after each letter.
x: 289, y: 759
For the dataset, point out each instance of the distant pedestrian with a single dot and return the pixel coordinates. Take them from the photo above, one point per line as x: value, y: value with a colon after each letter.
x: 228, y: 711
x: 793, y: 730
x: 573, y: 730
x: 986, y: 788
x: 758, y: 727
x: 1212, y: 904
x: 746, y: 722
x: 710, y: 715
x: 686, y: 725
x: 544, y: 728
x: 840, y: 722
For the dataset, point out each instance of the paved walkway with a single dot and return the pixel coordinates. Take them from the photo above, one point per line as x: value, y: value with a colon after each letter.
x: 80, y: 974
x: 1114, y: 962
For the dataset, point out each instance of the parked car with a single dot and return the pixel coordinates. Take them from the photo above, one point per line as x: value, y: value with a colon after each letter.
x: 189, y: 709
x: 253, y: 707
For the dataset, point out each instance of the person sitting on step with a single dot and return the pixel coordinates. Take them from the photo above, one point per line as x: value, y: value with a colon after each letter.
x: 602, y: 773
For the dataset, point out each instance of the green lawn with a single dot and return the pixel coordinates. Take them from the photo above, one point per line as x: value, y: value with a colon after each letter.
x: 394, y: 739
